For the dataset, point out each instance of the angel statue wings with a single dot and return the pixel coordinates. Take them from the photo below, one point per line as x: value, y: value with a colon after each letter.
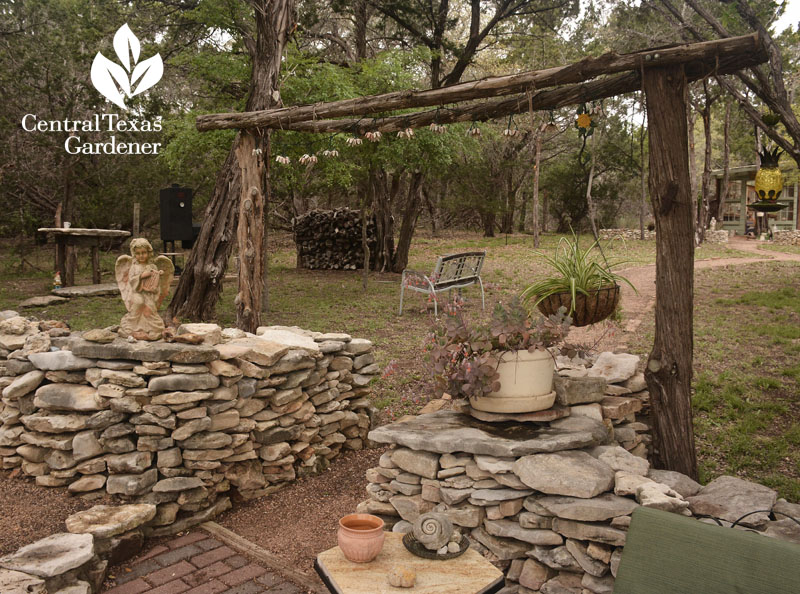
x: 143, y: 283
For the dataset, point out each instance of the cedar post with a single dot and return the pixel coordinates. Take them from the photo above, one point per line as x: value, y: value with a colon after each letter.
x: 669, y: 367
x: 250, y: 233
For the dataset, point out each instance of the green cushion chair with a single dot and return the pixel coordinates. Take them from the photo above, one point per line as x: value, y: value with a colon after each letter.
x: 667, y: 553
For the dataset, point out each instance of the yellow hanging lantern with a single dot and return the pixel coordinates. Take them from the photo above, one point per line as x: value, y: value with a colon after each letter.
x: 769, y: 179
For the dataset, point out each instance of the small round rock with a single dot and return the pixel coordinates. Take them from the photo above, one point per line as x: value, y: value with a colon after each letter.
x: 402, y: 577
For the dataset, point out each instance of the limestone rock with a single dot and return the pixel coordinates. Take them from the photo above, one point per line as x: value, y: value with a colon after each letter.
x: 534, y: 574
x: 416, y: 462
x: 618, y: 458
x: 511, y: 529
x: 85, y: 445
x: 729, y: 498
x: 636, y: 383
x: 626, y: 483
x: 619, y: 407
x: 103, y: 336
x: 177, y: 484
x: 51, y: 556
x: 68, y: 397
x: 559, y: 558
x: 410, y: 507
x: 131, y: 484
x: 596, y: 509
x: 144, y: 351
x: 402, y: 577
x: 23, y: 384
x: 183, y: 382
x: 287, y: 338
x: 502, y: 548
x: 578, y: 390
x: 16, y: 581
x: 49, y: 423
x: 573, y: 473
x: 132, y: 462
x: 211, y: 334
x: 447, y: 432
x: 587, y: 531
x: 90, y: 482
x: 653, y: 495
x: 784, y: 528
x: 676, y: 481
x: 591, y: 566
x: 105, y: 521
x: 59, y: 361
x: 615, y: 368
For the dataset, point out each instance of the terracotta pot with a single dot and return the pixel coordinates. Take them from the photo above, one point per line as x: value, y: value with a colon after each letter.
x: 589, y: 309
x: 360, y: 537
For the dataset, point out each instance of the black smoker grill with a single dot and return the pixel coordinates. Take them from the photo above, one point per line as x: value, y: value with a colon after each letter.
x: 176, y: 220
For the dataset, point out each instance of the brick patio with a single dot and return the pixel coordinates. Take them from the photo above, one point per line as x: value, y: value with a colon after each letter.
x: 196, y: 563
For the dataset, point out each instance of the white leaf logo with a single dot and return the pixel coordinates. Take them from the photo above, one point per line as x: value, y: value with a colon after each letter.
x: 113, y: 81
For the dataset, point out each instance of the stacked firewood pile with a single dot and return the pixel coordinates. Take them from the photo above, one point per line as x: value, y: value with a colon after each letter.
x: 331, y: 239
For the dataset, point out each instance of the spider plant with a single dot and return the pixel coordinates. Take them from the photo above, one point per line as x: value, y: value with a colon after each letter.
x: 577, y: 272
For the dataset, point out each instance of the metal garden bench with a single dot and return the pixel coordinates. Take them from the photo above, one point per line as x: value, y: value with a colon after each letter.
x: 454, y: 271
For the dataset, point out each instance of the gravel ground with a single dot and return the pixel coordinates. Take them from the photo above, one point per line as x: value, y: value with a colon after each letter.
x: 28, y: 512
x: 301, y: 520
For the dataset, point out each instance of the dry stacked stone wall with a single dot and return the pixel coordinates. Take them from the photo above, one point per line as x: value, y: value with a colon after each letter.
x: 179, y: 427
x: 711, y: 236
x: 548, y: 496
x: 629, y: 234
x: 789, y: 237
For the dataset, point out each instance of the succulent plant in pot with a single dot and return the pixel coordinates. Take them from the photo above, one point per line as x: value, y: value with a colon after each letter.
x: 586, y: 287
x: 502, y: 366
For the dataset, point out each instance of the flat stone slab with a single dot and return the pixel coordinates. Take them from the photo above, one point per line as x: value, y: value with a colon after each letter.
x: 141, y: 350
x: 597, y: 509
x: 87, y: 290
x: 730, y: 498
x: 447, y: 432
x: 51, y: 556
x: 259, y: 351
x: 105, y: 521
x: 42, y: 301
x: 60, y: 361
x: 287, y: 338
x: 576, y: 474
x: 16, y: 581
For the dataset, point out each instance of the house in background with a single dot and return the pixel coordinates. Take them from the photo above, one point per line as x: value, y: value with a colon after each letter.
x: 734, y: 214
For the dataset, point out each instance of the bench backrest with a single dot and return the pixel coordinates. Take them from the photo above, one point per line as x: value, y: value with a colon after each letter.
x: 667, y: 553
x: 457, y: 269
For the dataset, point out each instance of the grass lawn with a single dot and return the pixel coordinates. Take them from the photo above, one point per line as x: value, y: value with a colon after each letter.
x: 746, y: 374
x: 789, y: 249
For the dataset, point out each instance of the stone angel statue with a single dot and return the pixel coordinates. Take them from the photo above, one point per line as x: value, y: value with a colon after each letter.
x: 143, y: 282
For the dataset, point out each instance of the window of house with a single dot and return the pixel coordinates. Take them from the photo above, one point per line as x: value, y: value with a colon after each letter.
x: 731, y: 212
x: 787, y: 214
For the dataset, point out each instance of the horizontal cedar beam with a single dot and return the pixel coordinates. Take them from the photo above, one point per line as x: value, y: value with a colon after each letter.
x: 584, y: 70
x: 540, y: 100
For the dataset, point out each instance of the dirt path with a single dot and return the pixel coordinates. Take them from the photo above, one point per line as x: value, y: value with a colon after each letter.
x: 634, y: 307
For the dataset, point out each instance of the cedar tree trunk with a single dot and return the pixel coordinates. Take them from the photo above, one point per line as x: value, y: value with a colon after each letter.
x: 669, y: 368
x: 200, y: 284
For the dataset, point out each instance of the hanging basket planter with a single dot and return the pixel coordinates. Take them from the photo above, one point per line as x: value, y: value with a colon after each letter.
x: 589, y: 309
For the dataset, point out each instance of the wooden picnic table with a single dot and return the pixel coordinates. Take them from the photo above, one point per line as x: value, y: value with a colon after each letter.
x: 72, y: 236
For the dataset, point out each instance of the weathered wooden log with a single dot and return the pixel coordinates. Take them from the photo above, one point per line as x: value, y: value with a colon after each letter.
x: 540, y: 100
x: 711, y: 53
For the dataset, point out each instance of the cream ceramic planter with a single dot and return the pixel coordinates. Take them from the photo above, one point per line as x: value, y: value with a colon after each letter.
x: 526, y: 384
